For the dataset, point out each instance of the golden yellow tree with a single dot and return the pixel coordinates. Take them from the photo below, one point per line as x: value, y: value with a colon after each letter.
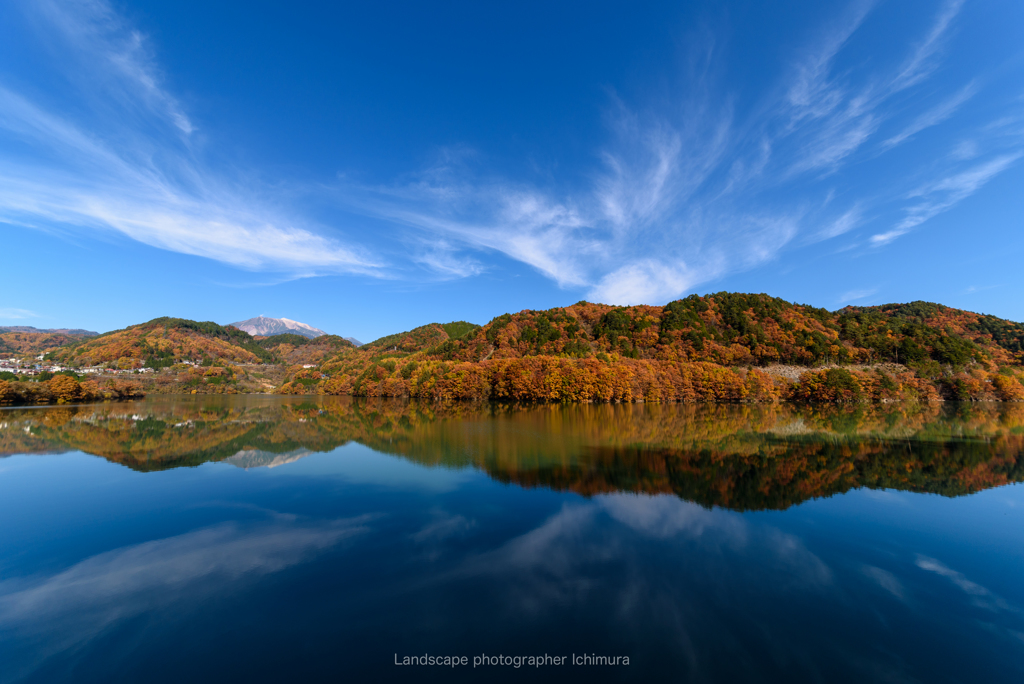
x: 64, y: 388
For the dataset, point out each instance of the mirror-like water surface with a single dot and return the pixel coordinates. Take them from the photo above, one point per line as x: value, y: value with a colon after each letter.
x: 269, y: 538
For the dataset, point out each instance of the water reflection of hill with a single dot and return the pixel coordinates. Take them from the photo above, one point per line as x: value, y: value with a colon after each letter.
x: 740, y: 457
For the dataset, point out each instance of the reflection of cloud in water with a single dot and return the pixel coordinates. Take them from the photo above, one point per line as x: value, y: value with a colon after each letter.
x: 443, y: 526
x: 1003, y: 619
x: 804, y: 568
x: 886, y: 580
x: 982, y: 597
x: 563, y: 558
x: 70, y: 607
x: 695, y: 575
x: 668, y: 516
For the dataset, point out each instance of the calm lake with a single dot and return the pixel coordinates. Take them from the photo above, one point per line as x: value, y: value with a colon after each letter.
x: 228, y: 539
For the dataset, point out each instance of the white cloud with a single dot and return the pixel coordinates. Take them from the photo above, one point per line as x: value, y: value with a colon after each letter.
x: 973, y: 289
x: 881, y: 239
x: 842, y: 225
x: 854, y: 295
x: 964, y: 150
x: 921, y: 61
x: 445, y: 261
x: 642, y: 281
x: 523, y: 223
x: 655, y: 194
x: 16, y: 314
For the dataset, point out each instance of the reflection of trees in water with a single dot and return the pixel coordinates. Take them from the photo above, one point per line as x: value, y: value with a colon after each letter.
x: 741, y: 457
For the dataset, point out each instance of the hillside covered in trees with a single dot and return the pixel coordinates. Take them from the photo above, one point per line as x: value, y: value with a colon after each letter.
x: 188, y: 357
x: 719, y: 347
x: 722, y: 347
x: 20, y: 342
x: 421, y: 338
x: 164, y: 342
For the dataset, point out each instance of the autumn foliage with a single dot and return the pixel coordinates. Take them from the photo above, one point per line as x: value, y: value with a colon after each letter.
x: 717, y: 348
x: 36, y: 342
x: 64, y: 389
x: 724, y: 347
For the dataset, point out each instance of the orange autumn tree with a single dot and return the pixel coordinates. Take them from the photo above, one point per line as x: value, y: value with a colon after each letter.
x: 64, y: 388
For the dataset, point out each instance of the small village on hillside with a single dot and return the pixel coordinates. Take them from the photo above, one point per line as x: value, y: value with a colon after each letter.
x: 38, y: 366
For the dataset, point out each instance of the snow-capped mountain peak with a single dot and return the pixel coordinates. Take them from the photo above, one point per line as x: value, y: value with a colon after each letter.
x: 264, y: 326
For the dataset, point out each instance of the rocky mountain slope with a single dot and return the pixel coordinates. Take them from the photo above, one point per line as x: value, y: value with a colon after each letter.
x: 265, y: 327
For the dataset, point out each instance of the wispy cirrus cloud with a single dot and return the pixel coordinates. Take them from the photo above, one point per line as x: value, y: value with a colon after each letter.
x: 123, y: 162
x: 8, y: 313
x: 684, y: 197
x: 678, y: 195
x: 118, y: 58
x: 849, y: 116
x: 923, y: 60
x: 841, y: 225
x: 933, y: 116
x: 653, y: 195
x: 855, y: 295
x: 937, y: 197
x: 813, y: 91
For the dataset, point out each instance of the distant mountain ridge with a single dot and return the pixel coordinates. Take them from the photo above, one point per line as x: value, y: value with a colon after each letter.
x: 59, y: 331
x: 24, y: 339
x: 265, y: 327
x: 166, y: 342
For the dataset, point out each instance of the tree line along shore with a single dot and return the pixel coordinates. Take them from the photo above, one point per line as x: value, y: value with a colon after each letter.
x: 724, y: 347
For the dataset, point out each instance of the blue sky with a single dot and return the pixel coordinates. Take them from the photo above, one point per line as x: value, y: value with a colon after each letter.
x: 371, y: 167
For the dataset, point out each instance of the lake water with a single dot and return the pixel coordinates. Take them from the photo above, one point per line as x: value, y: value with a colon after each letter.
x: 288, y: 539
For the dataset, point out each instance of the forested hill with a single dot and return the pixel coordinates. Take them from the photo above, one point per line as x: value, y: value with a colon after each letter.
x: 719, y: 347
x: 421, y: 338
x: 680, y: 352
x: 165, y: 341
x: 746, y: 329
x: 914, y: 320
x: 36, y: 341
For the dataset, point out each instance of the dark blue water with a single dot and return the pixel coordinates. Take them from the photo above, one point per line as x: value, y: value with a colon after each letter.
x: 293, y: 551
